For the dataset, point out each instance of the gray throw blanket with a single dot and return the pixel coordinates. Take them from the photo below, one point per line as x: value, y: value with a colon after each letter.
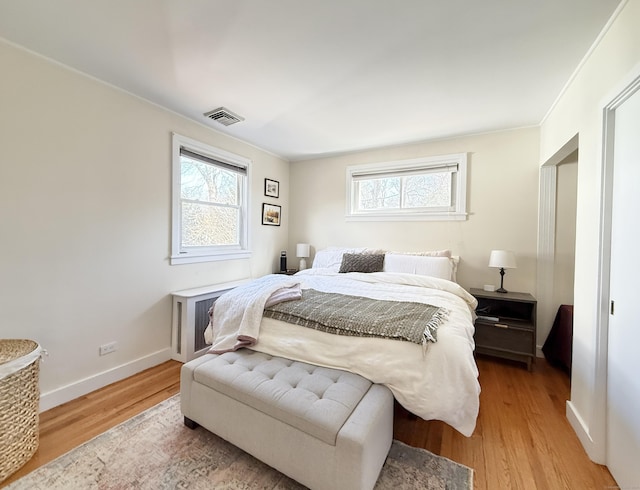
x: 358, y: 316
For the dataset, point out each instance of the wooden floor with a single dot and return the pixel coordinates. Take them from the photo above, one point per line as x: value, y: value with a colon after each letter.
x: 522, y: 439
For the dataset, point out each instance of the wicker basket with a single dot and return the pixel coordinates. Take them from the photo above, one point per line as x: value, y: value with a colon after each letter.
x: 19, y: 403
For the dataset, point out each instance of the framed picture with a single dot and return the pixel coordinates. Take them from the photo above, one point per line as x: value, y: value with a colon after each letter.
x: 271, y: 214
x: 271, y: 188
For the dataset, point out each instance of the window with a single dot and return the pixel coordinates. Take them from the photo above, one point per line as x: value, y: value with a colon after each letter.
x: 210, y: 203
x: 432, y: 188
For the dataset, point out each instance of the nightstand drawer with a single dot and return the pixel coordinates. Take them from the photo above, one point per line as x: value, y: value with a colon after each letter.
x: 506, y: 338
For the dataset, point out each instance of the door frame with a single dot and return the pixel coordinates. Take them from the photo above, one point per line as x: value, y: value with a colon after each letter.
x: 598, y: 432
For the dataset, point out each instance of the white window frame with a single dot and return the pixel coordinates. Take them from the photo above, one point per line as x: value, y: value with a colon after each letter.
x: 426, y: 164
x: 189, y: 255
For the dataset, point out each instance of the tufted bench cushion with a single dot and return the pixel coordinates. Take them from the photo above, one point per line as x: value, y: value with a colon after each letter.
x: 325, y: 428
x: 315, y: 400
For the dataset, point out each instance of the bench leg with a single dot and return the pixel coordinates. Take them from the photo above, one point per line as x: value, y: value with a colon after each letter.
x: 190, y: 423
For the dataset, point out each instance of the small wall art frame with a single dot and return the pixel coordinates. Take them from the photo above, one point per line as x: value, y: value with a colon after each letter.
x: 271, y: 214
x: 271, y: 188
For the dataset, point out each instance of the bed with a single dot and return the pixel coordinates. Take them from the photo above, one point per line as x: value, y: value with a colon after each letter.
x: 433, y: 379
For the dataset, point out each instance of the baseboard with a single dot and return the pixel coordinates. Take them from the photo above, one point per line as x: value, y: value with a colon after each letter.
x: 87, y: 385
x: 595, y: 453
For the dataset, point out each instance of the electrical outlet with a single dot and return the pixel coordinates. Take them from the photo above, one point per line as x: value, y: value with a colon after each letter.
x: 108, y: 348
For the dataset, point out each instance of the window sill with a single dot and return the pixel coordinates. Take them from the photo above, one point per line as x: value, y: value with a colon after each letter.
x: 211, y: 257
x: 407, y: 217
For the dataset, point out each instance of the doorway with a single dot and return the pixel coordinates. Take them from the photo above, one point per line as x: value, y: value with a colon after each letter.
x: 556, y: 238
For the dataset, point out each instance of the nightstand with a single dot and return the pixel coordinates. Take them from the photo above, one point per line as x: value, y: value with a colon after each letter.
x: 506, y: 325
x: 288, y: 272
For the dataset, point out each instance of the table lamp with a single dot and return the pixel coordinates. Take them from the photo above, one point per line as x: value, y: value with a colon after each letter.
x: 302, y: 251
x: 502, y: 259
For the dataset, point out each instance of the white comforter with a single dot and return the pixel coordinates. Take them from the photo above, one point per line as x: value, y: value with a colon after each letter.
x: 441, y: 383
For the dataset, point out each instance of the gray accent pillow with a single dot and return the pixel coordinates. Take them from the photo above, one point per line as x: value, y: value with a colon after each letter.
x: 362, y: 263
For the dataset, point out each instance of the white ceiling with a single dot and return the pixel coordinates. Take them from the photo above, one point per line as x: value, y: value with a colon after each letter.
x: 321, y: 77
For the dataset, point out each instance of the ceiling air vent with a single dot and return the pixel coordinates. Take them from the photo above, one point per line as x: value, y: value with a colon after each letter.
x: 224, y: 116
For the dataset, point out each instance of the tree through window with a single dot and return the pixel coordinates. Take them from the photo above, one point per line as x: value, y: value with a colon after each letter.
x: 427, y: 188
x: 210, y: 206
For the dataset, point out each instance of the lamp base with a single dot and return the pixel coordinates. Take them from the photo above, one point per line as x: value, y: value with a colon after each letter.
x: 303, y: 264
x: 501, y: 289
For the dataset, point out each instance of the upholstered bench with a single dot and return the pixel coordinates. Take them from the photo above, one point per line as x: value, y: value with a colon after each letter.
x: 325, y: 428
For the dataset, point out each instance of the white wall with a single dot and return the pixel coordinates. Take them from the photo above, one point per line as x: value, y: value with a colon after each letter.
x: 85, y: 202
x: 610, y: 66
x: 502, y: 198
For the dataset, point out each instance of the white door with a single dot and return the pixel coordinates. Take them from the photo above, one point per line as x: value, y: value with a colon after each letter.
x: 623, y: 361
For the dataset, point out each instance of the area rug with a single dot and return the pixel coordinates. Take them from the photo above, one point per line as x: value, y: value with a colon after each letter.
x: 154, y: 450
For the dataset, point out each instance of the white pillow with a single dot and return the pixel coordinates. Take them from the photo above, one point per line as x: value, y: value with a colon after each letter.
x: 331, y: 257
x: 442, y: 267
x: 430, y: 253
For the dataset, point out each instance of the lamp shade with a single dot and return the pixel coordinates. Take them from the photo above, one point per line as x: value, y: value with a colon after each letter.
x: 502, y: 259
x: 302, y: 250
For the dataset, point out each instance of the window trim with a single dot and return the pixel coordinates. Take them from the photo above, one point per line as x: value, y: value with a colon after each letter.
x: 207, y: 254
x: 459, y: 213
